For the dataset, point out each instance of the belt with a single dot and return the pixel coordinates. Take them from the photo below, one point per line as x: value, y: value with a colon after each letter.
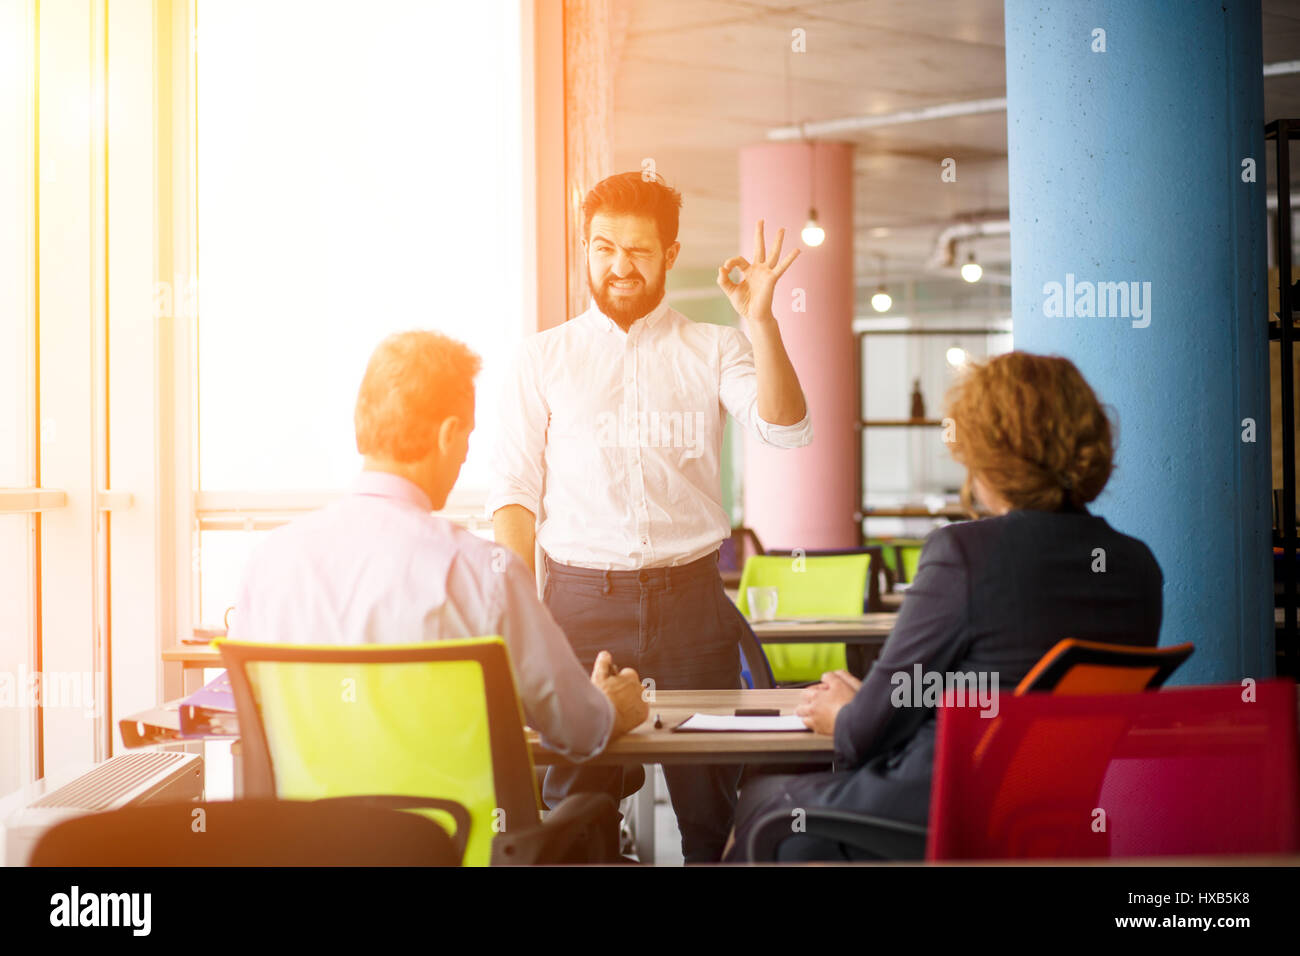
x: 705, y: 568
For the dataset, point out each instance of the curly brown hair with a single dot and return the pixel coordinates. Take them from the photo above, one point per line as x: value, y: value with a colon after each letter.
x: 1030, y: 428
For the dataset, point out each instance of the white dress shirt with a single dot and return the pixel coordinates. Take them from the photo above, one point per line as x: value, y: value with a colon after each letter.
x: 378, y: 568
x: 614, y: 439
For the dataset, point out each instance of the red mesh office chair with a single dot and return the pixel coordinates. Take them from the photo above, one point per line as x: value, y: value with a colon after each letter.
x: 1070, y: 667
x: 1187, y: 771
x: 1180, y: 772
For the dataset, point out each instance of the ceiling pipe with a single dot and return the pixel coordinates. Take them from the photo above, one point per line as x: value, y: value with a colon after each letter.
x: 850, y: 124
x: 944, y: 255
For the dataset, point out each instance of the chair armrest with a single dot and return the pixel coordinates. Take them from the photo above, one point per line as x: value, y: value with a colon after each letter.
x: 876, y: 837
x: 397, y: 801
x: 582, y: 829
x: 760, y: 671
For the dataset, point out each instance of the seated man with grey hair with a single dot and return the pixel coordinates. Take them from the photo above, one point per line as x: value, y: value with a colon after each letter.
x: 378, y: 567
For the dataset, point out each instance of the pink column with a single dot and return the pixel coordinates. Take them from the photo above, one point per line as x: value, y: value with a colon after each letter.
x: 806, y: 497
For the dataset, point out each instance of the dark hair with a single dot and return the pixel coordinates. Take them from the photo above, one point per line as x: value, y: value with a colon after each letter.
x: 641, y: 194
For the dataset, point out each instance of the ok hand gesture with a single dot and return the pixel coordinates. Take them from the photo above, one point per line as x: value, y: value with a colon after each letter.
x: 752, y: 295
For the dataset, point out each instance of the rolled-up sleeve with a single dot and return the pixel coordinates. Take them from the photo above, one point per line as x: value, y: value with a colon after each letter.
x: 518, y: 458
x: 560, y: 702
x: 738, y: 390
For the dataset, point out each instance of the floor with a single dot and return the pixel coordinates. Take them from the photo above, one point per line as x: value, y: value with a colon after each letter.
x: 668, y: 840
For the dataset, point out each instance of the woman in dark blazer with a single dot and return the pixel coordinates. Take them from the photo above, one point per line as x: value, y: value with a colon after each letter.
x: 989, y: 596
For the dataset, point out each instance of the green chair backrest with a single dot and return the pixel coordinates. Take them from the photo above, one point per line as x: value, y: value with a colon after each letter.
x: 431, y: 720
x: 831, y: 585
x: 910, y: 554
x: 906, y: 551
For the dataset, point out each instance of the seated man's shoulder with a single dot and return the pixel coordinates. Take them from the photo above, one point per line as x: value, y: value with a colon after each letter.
x: 481, y: 558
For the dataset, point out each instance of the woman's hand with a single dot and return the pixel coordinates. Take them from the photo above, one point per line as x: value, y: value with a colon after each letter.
x: 822, y: 702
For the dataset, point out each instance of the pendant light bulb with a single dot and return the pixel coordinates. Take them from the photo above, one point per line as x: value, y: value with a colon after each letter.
x: 813, y: 234
x: 881, y: 300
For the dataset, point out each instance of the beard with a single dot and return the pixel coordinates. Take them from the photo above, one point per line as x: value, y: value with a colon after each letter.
x: 626, y: 309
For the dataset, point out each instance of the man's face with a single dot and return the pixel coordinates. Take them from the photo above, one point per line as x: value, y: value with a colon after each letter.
x: 626, y: 265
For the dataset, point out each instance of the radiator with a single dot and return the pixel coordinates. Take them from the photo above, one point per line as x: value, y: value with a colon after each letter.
x: 131, y: 779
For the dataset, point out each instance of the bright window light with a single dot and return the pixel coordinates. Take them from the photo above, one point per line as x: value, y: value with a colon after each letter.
x: 360, y: 172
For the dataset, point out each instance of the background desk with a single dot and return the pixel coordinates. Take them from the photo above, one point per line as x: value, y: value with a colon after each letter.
x: 854, y: 629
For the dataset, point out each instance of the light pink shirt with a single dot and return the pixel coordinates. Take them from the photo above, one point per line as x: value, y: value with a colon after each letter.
x: 378, y: 567
x: 613, y: 439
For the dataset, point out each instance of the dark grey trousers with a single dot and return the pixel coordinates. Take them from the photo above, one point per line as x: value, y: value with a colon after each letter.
x: 679, y: 629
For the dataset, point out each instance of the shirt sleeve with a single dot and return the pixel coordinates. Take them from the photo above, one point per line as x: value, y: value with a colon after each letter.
x: 572, y: 715
x: 738, y: 390
x: 929, y: 632
x: 517, y: 460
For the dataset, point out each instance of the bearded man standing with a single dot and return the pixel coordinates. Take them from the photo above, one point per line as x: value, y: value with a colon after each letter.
x: 609, y: 459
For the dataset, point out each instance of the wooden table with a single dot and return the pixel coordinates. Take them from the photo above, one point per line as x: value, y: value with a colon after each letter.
x: 192, y: 656
x: 852, y: 629
x: 647, y: 745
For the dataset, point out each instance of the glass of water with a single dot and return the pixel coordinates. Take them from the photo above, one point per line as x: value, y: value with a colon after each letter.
x: 762, y: 603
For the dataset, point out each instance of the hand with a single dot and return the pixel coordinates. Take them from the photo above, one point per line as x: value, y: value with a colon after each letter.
x: 812, y: 690
x: 623, y: 688
x: 822, y: 702
x: 752, y: 295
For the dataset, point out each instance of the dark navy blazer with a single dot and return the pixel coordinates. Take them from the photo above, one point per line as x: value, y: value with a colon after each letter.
x: 990, y: 596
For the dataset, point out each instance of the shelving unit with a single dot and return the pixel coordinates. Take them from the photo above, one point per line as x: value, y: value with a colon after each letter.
x: 863, y: 513
x: 1282, y: 131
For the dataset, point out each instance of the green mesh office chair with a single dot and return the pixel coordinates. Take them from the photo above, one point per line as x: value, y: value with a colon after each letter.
x: 420, y: 720
x: 909, y: 558
x: 901, y: 556
x: 807, y: 587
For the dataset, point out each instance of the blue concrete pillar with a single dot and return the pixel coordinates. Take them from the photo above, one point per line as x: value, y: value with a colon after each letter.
x: 1129, y: 128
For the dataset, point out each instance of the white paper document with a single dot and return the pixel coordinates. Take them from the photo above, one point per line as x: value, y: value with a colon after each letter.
x: 723, y: 722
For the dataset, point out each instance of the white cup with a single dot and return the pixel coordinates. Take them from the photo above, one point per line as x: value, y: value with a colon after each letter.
x: 762, y: 603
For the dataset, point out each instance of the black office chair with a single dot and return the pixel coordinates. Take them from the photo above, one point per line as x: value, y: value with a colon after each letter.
x: 363, y: 831
x: 873, y: 838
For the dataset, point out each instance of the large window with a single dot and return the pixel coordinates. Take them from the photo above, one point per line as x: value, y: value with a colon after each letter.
x: 360, y: 172
x: 17, y: 391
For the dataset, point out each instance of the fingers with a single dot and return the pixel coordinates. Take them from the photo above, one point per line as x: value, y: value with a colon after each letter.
x: 812, y: 690
x: 776, y: 252
x: 759, y: 254
x: 604, y: 667
x: 837, y: 677
x: 785, y: 263
x: 724, y: 281
x: 736, y: 262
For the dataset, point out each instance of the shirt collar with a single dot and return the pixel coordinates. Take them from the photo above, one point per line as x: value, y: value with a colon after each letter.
x: 384, y: 484
x: 648, y: 321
